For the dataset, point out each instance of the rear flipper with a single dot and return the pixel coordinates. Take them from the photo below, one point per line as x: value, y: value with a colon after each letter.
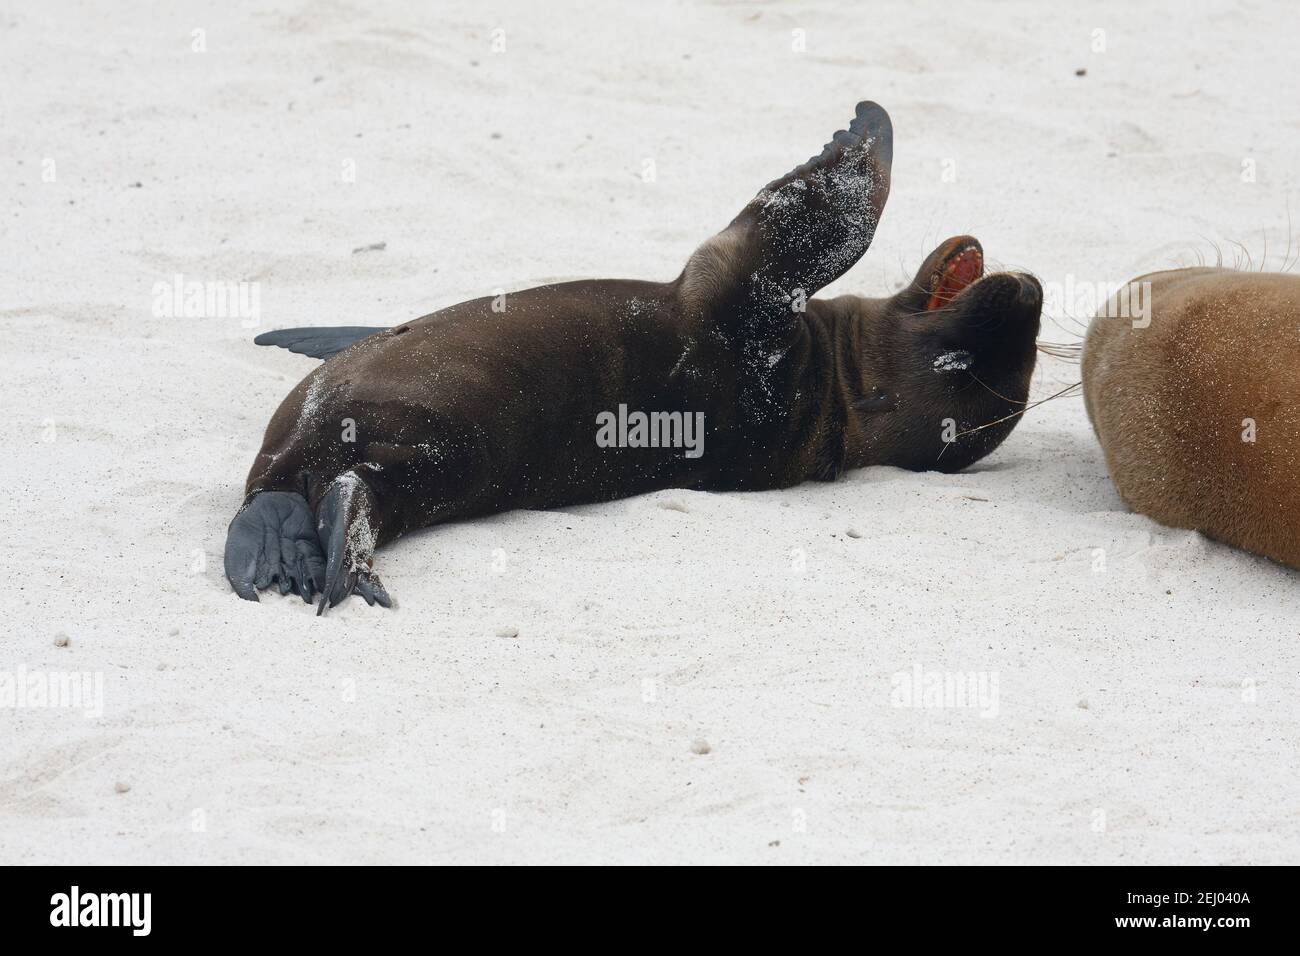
x: 273, y: 539
x: 344, y: 526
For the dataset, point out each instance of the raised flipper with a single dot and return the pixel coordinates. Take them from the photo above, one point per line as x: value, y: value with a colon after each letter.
x: 320, y: 342
x: 343, y: 524
x: 800, y: 232
x: 273, y: 540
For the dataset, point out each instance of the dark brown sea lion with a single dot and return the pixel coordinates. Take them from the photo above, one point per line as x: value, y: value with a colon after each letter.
x: 527, y: 403
x: 1197, y: 404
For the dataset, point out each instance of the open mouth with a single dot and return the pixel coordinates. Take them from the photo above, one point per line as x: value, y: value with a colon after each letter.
x: 959, y: 271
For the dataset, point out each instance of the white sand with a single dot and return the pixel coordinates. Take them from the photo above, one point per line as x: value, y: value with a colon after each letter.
x: 256, y: 732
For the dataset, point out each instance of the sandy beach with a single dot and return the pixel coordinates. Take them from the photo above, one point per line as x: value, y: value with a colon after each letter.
x: 682, y: 677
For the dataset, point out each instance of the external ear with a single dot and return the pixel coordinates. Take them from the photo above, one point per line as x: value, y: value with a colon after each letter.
x: 801, y: 231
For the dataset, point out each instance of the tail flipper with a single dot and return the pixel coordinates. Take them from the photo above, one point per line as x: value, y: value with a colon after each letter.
x: 321, y: 342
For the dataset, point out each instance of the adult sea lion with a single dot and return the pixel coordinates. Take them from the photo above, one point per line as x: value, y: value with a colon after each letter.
x: 476, y: 409
x: 1197, y: 404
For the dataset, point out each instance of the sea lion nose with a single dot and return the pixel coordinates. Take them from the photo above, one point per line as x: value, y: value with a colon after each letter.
x: 1031, y: 291
x: 1007, y: 303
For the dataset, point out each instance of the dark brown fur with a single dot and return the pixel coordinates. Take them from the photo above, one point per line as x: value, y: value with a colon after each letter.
x: 473, y: 410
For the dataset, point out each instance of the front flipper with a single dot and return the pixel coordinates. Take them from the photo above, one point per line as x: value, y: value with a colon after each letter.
x: 799, y: 233
x: 343, y: 523
x: 320, y: 342
x: 273, y: 540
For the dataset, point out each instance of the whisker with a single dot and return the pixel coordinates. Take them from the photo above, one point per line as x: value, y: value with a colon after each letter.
x: 1070, y: 351
x: 1013, y: 401
x: 1287, y: 264
x: 1082, y: 325
x: 999, y: 421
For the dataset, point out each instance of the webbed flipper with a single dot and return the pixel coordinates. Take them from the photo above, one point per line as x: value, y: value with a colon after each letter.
x: 801, y: 231
x: 320, y: 342
x: 344, y: 526
x: 272, y: 540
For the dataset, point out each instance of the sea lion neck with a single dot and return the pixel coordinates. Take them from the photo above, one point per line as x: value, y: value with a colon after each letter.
x: 852, y: 325
x: 841, y: 332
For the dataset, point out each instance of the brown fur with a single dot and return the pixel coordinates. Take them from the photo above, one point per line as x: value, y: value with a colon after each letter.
x: 473, y: 409
x: 1169, y: 404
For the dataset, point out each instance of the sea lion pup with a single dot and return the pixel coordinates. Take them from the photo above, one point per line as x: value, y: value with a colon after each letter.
x: 1197, y: 404
x: 487, y: 406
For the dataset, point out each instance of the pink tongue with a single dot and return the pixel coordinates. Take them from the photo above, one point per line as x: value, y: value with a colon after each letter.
x: 959, y: 272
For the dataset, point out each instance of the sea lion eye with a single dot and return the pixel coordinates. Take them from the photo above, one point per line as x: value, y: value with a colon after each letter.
x: 958, y: 360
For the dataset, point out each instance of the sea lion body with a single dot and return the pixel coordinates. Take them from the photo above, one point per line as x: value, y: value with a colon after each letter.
x: 499, y: 403
x: 1198, y: 413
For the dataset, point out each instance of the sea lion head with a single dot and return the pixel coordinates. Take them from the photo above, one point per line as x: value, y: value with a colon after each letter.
x: 946, y: 363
